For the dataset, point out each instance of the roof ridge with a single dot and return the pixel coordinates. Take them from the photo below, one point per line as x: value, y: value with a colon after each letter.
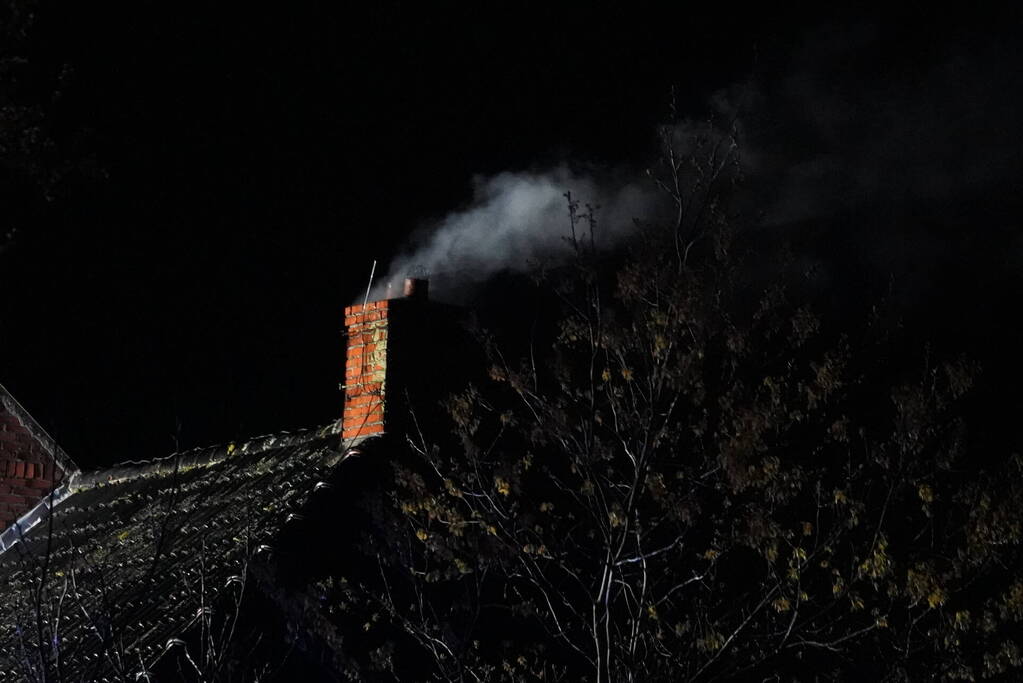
x: 202, y: 456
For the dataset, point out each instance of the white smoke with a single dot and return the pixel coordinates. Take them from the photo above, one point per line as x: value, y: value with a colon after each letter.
x: 514, y: 221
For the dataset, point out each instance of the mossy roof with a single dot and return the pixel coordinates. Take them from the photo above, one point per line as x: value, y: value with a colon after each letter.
x: 132, y: 554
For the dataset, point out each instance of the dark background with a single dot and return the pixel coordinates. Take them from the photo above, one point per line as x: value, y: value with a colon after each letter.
x: 213, y: 183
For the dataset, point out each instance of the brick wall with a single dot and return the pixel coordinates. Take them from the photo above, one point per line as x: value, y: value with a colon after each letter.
x: 365, y: 369
x: 27, y: 470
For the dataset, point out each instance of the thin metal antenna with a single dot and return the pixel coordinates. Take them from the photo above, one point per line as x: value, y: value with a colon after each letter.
x: 372, y: 271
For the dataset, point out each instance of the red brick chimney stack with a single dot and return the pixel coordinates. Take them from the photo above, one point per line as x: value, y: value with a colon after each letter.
x: 370, y: 329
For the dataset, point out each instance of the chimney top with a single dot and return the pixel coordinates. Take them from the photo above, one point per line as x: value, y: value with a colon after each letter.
x: 416, y: 288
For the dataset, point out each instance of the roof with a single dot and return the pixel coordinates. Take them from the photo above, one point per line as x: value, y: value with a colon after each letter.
x: 133, y: 554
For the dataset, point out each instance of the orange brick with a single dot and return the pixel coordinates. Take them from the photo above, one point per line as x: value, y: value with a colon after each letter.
x: 363, y: 400
x: 358, y: 423
x: 369, y: 412
x: 368, y: 430
x: 366, y: 385
x: 371, y: 306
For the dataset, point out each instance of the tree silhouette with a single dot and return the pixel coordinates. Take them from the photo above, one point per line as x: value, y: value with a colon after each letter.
x: 691, y: 477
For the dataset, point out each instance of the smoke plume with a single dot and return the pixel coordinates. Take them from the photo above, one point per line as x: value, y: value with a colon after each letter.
x: 905, y: 168
x: 514, y: 221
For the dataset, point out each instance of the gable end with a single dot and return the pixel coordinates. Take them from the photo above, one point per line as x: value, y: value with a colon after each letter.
x: 31, y: 463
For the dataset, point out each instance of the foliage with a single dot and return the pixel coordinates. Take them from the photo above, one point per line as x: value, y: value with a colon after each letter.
x: 695, y: 480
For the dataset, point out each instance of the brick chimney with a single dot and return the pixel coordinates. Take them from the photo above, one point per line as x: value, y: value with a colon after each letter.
x: 383, y: 359
x: 31, y: 463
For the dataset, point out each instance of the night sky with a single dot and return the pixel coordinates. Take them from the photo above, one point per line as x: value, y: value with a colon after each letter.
x: 216, y: 182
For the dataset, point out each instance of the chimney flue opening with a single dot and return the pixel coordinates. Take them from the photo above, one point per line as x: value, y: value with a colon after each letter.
x: 416, y: 288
